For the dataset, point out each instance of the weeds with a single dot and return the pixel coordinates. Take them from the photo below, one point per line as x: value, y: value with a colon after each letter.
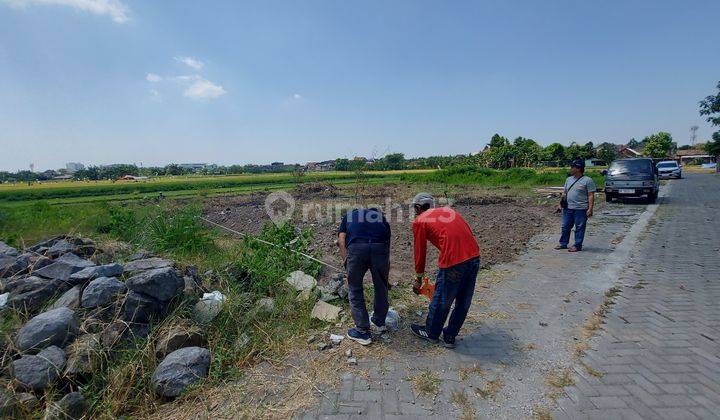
x: 426, y: 382
x: 465, y: 373
x: 460, y: 399
x: 490, y: 389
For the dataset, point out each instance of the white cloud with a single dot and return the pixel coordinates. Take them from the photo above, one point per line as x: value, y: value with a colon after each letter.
x: 203, y: 89
x: 191, y: 62
x: 152, y: 77
x: 297, y: 96
x: 115, y: 9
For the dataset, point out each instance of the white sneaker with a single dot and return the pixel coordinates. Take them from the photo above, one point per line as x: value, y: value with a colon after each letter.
x: 378, y: 329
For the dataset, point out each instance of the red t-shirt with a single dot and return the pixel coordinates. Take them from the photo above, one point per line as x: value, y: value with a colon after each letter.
x: 449, y: 232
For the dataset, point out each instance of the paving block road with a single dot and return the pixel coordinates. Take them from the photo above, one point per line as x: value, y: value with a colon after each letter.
x: 658, y: 355
x: 533, y: 346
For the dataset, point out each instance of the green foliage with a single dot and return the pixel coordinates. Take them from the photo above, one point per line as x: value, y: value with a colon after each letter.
x: 607, y: 152
x: 712, y: 148
x: 265, y: 278
x: 81, y: 189
x: 525, y: 177
x: 527, y: 152
x: 178, y: 232
x: 577, y: 151
x: 342, y: 164
x: 498, y: 141
x: 710, y: 107
x: 553, y: 152
x: 29, y: 223
x: 658, y: 145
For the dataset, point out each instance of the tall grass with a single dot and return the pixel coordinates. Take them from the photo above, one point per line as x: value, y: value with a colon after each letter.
x: 245, y: 271
x: 89, y: 189
x: 524, y: 177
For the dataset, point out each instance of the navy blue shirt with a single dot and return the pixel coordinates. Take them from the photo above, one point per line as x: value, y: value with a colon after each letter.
x: 367, y: 225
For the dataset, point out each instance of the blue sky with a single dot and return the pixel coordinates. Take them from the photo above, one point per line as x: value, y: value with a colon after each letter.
x: 154, y: 82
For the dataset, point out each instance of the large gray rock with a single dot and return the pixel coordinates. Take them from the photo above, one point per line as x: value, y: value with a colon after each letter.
x: 180, y: 369
x: 64, y: 267
x: 101, y: 292
x: 147, y: 264
x: 59, y: 248
x: 121, y: 333
x: 13, y: 265
x: 180, y: 334
x: 52, y: 328
x: 6, y: 249
x: 69, y: 299
x: 160, y: 283
x: 141, y: 308
x: 38, y: 372
x: 45, y: 245
x: 91, y: 273
x: 31, y: 293
x: 70, y: 407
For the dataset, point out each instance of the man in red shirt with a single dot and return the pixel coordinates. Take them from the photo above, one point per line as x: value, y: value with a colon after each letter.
x: 458, y: 265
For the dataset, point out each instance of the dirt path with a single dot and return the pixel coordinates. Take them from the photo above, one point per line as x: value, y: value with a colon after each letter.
x: 529, y: 318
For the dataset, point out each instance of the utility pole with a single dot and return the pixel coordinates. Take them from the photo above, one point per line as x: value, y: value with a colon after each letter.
x: 693, y: 136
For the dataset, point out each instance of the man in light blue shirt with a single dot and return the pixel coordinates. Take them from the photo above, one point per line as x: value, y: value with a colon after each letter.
x: 576, y: 202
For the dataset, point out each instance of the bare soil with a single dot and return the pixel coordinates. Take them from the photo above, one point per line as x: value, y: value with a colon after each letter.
x: 502, y: 223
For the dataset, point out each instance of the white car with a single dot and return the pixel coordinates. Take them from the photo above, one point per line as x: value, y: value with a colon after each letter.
x: 669, y: 169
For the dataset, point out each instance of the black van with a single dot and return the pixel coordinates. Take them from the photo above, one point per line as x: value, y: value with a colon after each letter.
x: 632, y: 178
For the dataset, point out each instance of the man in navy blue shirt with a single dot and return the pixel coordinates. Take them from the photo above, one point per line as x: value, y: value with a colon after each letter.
x: 364, y: 241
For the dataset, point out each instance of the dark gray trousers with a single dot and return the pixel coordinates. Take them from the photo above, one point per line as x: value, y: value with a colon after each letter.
x: 362, y: 257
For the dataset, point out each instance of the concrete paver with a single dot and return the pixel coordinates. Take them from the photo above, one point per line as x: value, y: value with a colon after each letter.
x: 656, y: 356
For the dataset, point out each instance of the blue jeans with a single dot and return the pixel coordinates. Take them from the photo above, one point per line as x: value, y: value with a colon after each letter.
x: 453, y: 284
x: 578, y: 218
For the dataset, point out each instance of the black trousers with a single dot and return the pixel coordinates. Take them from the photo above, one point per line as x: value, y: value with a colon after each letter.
x: 362, y: 257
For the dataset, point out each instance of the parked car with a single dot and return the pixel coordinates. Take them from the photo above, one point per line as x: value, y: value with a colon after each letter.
x: 670, y: 169
x: 632, y: 178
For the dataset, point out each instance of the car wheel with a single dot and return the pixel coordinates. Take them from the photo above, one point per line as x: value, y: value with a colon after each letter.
x: 608, y: 198
x: 652, y: 198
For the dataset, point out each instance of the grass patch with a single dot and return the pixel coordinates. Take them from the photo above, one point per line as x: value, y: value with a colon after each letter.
x: 557, y: 380
x: 490, y: 389
x: 459, y: 398
x: 426, y: 382
x: 466, y: 372
x: 525, y: 177
x: 542, y: 413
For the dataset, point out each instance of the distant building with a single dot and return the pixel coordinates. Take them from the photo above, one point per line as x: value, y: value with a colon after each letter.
x: 193, y: 166
x: 327, y: 165
x: 626, y: 152
x: 693, y: 157
x: 73, y: 167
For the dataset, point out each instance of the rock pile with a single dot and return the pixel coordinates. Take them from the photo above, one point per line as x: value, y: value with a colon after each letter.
x: 81, y: 305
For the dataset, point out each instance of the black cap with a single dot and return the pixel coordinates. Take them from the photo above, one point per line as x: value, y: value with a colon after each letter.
x: 578, y: 163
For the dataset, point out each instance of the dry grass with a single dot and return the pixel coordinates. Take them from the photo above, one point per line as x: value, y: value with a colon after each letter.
x: 426, y: 382
x: 460, y: 399
x: 542, y: 413
x: 466, y: 372
x: 557, y: 380
x: 490, y: 389
x: 591, y: 371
